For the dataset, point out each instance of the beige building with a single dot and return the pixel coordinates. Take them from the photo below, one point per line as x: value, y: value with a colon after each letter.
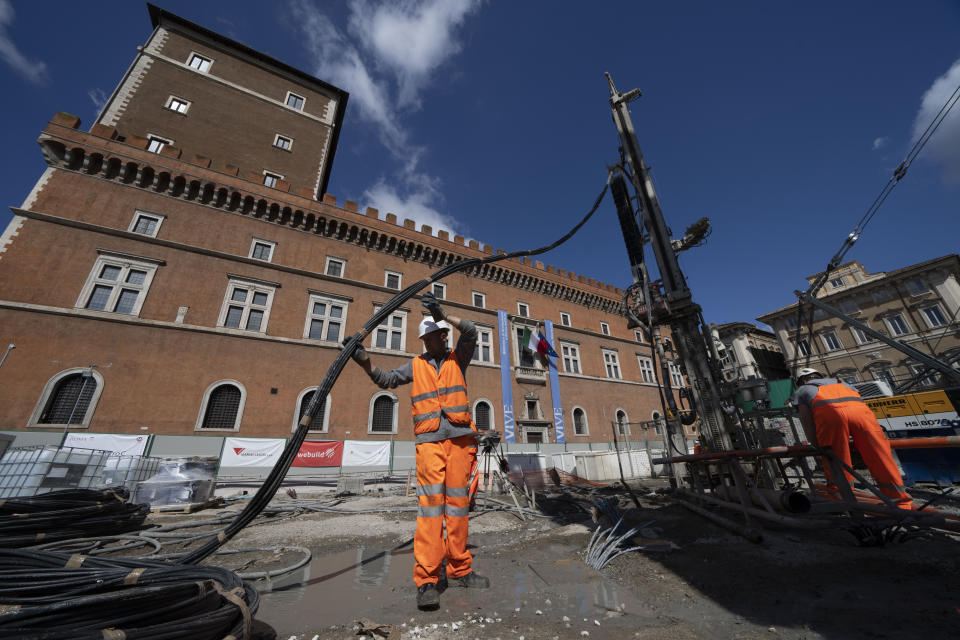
x: 750, y: 352
x: 918, y: 305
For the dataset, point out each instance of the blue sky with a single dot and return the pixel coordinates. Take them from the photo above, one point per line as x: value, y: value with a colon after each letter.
x: 780, y: 121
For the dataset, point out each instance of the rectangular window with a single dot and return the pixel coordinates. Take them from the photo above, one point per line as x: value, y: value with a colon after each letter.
x: 335, y: 267
x: 282, y: 142
x: 934, y: 317
x: 117, y: 284
x: 646, y: 369
x: 523, y: 310
x: 177, y: 104
x: 881, y: 295
x: 391, y: 333
x: 155, y: 143
x: 525, y: 355
x: 848, y: 306
x: 791, y: 322
x: 830, y: 341
x: 837, y: 282
x: 439, y: 290
x: 676, y: 376
x: 326, y: 319
x: 262, y: 249
x: 147, y: 224
x: 200, y: 63
x: 605, y: 328
x: 917, y: 286
x: 897, y: 325
x: 246, y: 306
x: 270, y: 179
x: 611, y: 362
x: 484, y: 349
x: 565, y: 318
x: 639, y: 336
x: 860, y: 336
x: 392, y: 279
x: 294, y: 101
x: 479, y: 299
x: 803, y: 347
x: 571, y: 357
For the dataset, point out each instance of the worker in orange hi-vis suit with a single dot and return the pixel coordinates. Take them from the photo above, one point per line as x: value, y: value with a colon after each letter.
x: 832, y: 412
x: 446, y: 450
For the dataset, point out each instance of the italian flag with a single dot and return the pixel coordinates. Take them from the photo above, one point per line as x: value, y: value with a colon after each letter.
x: 536, y: 342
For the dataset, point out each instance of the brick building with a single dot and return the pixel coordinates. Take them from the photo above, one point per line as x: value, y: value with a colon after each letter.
x: 179, y: 270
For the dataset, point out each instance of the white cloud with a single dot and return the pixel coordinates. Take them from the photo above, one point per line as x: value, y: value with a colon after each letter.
x: 34, y: 71
x: 944, y: 146
x: 412, y: 39
x: 880, y: 142
x: 403, y: 44
x: 98, y: 97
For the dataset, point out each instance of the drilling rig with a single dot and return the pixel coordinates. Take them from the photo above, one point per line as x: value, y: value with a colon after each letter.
x: 667, y: 301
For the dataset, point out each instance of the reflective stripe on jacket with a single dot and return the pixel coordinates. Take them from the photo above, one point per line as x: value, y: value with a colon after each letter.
x: 831, y: 397
x: 434, y: 393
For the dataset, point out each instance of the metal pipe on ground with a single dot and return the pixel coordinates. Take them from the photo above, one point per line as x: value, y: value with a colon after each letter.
x: 790, y: 501
x: 750, y: 534
x: 800, y: 523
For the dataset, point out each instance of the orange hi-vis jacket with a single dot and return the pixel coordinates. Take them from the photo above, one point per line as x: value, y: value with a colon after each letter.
x: 829, y: 395
x: 433, y: 394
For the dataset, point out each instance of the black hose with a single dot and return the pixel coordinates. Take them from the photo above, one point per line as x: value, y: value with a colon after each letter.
x: 273, y: 481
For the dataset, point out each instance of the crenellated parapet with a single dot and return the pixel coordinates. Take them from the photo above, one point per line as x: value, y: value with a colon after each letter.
x: 100, y: 153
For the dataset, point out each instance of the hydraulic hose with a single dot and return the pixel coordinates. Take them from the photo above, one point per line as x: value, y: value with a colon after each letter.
x: 273, y: 481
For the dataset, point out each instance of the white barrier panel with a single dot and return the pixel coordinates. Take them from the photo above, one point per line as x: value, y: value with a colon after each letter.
x: 130, y: 445
x: 366, y: 453
x: 251, y: 452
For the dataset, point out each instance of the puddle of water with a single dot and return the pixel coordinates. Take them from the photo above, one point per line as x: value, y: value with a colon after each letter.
x: 372, y: 582
x: 335, y: 588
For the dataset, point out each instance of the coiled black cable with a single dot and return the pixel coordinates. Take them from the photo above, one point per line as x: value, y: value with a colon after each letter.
x: 66, y: 514
x: 76, y: 597
x: 272, y: 482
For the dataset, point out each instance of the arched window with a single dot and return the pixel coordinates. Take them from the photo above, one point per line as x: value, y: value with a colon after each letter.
x: 383, y: 414
x: 580, y: 422
x: 222, y: 406
x: 482, y: 415
x: 321, y: 423
x: 69, y: 398
x: 622, y: 427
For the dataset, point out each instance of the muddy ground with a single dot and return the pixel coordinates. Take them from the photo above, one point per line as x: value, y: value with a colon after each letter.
x: 694, y: 580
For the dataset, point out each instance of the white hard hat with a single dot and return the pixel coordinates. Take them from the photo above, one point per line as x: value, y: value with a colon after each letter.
x: 427, y: 325
x: 803, y: 372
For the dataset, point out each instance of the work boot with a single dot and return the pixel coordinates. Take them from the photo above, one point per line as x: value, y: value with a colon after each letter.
x: 472, y: 580
x: 428, y: 598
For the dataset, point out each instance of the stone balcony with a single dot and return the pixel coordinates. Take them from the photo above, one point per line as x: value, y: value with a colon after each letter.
x: 531, y: 375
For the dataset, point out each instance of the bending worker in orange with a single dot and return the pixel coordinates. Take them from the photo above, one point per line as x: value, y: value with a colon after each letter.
x: 446, y: 450
x: 831, y: 412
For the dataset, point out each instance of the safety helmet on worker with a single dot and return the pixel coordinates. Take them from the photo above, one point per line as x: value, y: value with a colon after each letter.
x: 428, y: 325
x: 805, y: 372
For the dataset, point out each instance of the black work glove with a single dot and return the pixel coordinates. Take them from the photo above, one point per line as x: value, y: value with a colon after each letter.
x: 433, y: 307
x: 360, y: 355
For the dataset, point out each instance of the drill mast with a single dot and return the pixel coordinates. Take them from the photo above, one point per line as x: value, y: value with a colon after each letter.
x: 690, y: 336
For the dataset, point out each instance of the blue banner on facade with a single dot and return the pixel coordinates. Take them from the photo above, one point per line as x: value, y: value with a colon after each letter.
x: 555, y: 385
x: 506, y: 386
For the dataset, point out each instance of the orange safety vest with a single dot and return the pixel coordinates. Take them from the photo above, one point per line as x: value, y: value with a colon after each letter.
x: 433, y: 394
x: 831, y: 397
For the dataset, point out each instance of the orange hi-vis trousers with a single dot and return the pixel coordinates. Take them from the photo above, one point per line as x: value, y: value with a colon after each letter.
x: 443, y: 473
x: 838, y: 423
